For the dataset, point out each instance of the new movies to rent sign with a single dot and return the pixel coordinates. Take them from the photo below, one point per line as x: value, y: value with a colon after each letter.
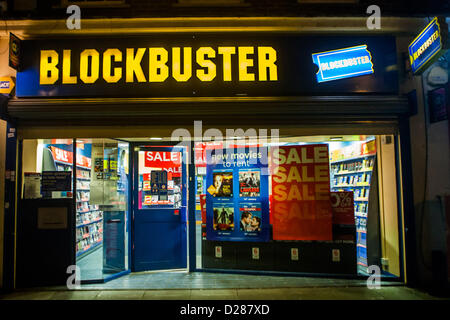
x: 249, y: 183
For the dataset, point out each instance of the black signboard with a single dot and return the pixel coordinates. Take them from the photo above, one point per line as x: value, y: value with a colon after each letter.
x: 200, y: 65
x: 56, y: 181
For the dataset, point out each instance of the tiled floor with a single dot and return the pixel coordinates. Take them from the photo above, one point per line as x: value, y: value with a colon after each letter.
x: 205, y: 280
x: 91, y: 265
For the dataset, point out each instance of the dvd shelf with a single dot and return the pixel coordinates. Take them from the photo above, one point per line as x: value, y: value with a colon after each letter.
x: 89, y: 219
x: 354, y: 174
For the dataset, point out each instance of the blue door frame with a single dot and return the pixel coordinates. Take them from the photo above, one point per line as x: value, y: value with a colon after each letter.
x: 159, y: 233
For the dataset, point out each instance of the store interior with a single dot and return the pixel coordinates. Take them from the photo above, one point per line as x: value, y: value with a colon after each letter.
x: 362, y: 164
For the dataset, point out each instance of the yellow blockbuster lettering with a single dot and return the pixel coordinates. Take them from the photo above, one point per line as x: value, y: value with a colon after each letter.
x: 66, y: 77
x: 84, y: 67
x: 134, y: 65
x: 244, y: 63
x: 267, y: 56
x: 49, y: 73
x: 227, y: 52
x: 158, y: 69
x: 238, y: 63
x: 107, y: 57
x: 176, y: 64
x: 204, y: 63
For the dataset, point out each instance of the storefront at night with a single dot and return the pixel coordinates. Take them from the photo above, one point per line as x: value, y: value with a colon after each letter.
x: 247, y: 152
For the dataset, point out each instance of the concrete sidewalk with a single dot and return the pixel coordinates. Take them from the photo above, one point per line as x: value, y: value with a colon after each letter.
x: 310, y: 293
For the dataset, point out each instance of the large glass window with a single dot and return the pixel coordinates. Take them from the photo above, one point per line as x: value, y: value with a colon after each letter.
x: 320, y: 204
x: 100, y: 196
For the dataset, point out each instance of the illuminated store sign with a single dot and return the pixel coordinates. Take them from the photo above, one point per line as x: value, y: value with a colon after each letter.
x: 203, y: 65
x: 6, y: 85
x: 183, y: 64
x: 429, y: 45
x: 343, y: 63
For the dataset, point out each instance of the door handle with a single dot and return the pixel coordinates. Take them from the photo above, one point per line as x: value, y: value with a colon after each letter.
x: 114, y: 221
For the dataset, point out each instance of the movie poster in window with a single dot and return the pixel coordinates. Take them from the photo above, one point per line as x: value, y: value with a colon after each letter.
x: 249, y: 183
x: 223, y: 218
x: 250, y: 218
x: 222, y: 184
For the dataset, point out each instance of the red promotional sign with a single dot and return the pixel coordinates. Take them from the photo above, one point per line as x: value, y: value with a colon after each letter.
x: 62, y: 155
x: 343, y: 207
x: 301, y: 208
x: 83, y: 161
x: 166, y: 160
x: 67, y: 157
x: 203, y: 207
x: 368, y: 147
x: 200, y: 151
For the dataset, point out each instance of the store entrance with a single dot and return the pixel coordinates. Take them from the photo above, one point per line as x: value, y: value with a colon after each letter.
x: 159, y: 208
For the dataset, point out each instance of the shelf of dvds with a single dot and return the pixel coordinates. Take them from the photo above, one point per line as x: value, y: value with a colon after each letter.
x: 89, y: 219
x: 354, y: 174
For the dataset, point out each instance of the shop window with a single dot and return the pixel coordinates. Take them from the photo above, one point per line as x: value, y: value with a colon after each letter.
x: 319, y: 204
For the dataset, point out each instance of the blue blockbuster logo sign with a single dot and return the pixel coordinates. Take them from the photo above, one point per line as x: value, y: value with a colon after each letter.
x: 428, y: 45
x: 343, y: 63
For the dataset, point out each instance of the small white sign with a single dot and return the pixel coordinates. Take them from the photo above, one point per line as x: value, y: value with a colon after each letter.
x: 255, y: 253
x: 336, y: 255
x: 218, y: 252
x: 52, y: 218
x: 294, y: 254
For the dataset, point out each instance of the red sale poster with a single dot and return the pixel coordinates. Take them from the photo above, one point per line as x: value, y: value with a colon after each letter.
x: 301, y: 208
x: 343, y: 207
x: 168, y: 161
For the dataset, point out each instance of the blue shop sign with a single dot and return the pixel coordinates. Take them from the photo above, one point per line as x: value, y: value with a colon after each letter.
x: 343, y: 63
x: 429, y: 45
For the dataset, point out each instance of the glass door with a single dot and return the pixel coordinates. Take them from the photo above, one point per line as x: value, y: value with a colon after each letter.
x: 101, y: 208
x: 160, y: 213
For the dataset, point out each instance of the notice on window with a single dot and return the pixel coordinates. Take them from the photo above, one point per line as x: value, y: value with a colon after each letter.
x: 56, y: 181
x: 32, y: 185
